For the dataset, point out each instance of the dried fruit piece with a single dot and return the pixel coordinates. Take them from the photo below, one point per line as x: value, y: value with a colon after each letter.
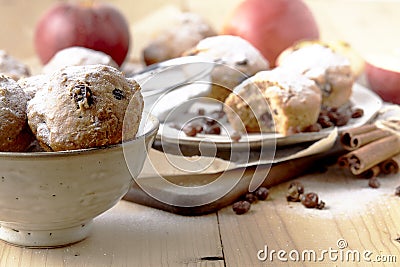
x: 374, y: 182
x: 82, y: 95
x: 118, y: 94
x: 357, y: 113
x: 250, y: 197
x: 310, y: 200
x: 262, y: 193
x: 241, y: 207
x: 295, y: 190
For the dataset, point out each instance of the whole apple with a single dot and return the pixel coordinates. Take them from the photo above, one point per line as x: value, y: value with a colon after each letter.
x: 272, y: 25
x: 90, y: 24
x: 383, y: 75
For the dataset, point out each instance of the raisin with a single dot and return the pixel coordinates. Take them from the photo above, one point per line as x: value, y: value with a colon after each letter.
x: 262, y: 193
x: 214, y: 129
x: 243, y: 62
x: 316, y: 127
x: 118, y: 94
x: 241, y: 207
x: 357, y: 113
x: 374, y: 182
x: 210, y: 121
x: 321, y: 205
x: 250, y: 197
x: 201, y: 112
x: 310, y: 200
x: 342, y: 118
x: 82, y: 95
x: 189, y: 130
x: 295, y: 190
x: 324, y: 121
x: 397, y: 191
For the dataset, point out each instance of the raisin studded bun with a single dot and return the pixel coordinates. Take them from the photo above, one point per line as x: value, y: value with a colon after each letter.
x: 12, y: 67
x: 330, y: 70
x: 274, y: 101
x: 32, y: 84
x: 14, y: 131
x: 84, y: 107
x: 238, y: 60
x: 184, y: 32
x: 77, y: 56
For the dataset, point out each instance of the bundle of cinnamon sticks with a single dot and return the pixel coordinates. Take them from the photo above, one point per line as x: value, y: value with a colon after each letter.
x: 371, y: 151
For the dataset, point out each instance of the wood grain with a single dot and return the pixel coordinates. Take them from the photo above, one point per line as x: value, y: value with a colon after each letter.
x: 131, y: 235
x: 366, y: 218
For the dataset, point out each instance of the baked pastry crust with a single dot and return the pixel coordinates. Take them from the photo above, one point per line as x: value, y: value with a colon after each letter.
x: 182, y: 34
x: 330, y: 70
x: 85, y: 107
x: 274, y: 101
x: 14, y: 133
x: 32, y: 84
x: 236, y: 60
x: 12, y: 67
x: 77, y: 56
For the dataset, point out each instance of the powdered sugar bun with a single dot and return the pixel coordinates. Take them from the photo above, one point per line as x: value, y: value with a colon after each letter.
x: 274, y: 100
x: 238, y: 58
x: 84, y: 107
x: 330, y: 70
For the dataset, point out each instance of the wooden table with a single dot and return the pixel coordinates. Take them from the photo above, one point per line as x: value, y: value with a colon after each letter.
x: 129, y: 234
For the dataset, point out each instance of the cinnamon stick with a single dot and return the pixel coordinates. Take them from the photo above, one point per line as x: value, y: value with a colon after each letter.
x: 390, y: 165
x: 358, y: 137
x: 373, y: 153
x: 370, y: 173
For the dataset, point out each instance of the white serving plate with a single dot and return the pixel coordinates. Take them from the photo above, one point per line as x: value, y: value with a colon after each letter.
x: 361, y: 97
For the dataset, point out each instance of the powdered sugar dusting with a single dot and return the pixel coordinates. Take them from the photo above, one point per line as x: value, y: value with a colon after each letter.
x: 344, y: 194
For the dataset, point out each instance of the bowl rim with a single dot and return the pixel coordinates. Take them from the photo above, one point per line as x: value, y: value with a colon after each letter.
x: 145, y: 115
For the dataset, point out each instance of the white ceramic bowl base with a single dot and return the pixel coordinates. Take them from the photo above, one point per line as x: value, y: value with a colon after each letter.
x: 49, y: 199
x: 45, y: 238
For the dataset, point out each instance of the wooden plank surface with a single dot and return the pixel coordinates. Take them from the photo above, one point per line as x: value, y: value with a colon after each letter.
x: 366, y: 218
x: 131, y: 235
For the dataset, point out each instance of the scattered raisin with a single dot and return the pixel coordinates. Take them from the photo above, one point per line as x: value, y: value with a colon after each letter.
x: 310, y: 200
x: 357, y: 113
x: 213, y: 129
x: 342, y: 119
x: 295, y: 190
x: 250, y: 197
x: 189, y: 130
x: 262, y: 193
x: 201, y: 112
x: 210, y: 121
x: 321, y: 205
x: 324, y: 121
x: 241, y: 207
x: 316, y: 127
x: 397, y: 191
x: 374, y: 182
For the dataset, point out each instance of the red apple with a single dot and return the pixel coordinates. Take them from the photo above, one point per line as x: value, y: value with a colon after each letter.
x: 272, y: 25
x: 90, y: 24
x: 383, y: 75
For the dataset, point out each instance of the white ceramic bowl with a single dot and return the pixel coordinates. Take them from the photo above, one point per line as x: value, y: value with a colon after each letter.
x: 50, y: 199
x: 170, y: 84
